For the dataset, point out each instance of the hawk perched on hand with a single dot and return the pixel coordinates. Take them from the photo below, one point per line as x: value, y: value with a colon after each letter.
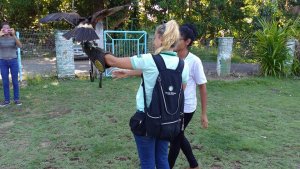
x: 84, y: 32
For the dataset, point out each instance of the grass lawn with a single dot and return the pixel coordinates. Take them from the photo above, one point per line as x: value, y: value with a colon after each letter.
x: 253, y: 123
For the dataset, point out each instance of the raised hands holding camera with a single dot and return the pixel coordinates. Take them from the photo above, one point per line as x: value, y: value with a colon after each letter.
x: 8, y: 31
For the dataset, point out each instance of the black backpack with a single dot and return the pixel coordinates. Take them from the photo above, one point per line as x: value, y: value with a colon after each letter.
x: 164, y: 116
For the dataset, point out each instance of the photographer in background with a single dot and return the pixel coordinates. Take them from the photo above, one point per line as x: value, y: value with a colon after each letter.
x: 9, y: 63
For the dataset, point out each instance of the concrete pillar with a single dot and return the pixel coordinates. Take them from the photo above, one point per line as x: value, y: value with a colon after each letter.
x: 224, y: 55
x: 291, y: 46
x: 99, y: 31
x: 64, y: 56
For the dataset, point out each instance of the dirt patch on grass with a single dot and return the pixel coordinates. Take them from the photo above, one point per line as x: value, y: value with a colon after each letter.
x: 216, y: 158
x: 65, y: 147
x: 237, y: 165
x: 2, y: 133
x: 122, y: 158
x: 21, y: 144
x: 8, y: 167
x: 7, y: 125
x: 67, y: 150
x: 45, y: 144
x: 197, y: 147
x: 216, y: 166
x: 59, y: 111
x: 4, y: 128
x: 49, y: 167
x: 71, y: 149
x: 74, y: 159
x: 50, y: 162
x: 109, y: 162
x: 128, y: 137
x: 112, y: 119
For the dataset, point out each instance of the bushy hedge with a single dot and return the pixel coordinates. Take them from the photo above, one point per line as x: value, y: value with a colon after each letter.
x: 271, y: 51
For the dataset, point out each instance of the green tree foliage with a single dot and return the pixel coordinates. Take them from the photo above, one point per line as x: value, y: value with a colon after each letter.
x: 236, y: 18
x: 26, y: 13
x: 209, y: 16
x: 18, y: 12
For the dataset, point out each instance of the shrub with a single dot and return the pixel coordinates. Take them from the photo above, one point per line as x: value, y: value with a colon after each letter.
x: 296, y: 67
x: 270, y: 48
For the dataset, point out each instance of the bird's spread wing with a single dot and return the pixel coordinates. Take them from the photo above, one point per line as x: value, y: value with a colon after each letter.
x: 82, y: 33
x: 72, y: 18
x: 100, y: 15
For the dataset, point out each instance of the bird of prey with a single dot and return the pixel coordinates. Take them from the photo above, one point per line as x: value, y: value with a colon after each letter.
x: 84, y: 26
x: 84, y: 32
x: 96, y: 56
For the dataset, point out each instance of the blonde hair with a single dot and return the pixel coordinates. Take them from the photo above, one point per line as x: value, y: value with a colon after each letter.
x: 170, y: 35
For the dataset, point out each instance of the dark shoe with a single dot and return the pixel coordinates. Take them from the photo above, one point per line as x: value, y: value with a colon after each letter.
x: 18, y: 103
x: 4, y: 103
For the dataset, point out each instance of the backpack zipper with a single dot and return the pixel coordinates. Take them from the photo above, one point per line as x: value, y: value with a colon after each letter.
x: 171, y: 122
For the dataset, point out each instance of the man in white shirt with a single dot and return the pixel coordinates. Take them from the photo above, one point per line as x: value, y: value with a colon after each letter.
x: 196, y: 78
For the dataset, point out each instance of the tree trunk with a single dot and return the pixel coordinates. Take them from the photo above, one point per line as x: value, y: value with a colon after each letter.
x: 97, y: 5
x: 190, y: 7
x: 286, y: 5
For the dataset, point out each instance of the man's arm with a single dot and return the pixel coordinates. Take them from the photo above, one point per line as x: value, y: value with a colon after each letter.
x: 203, y: 96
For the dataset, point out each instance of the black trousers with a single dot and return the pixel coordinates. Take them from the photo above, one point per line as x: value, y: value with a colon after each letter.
x: 182, y: 143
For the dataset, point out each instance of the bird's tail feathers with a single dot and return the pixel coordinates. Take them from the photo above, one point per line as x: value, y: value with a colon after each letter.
x: 81, y: 34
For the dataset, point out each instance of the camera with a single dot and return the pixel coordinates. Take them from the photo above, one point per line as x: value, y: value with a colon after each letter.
x: 6, y: 31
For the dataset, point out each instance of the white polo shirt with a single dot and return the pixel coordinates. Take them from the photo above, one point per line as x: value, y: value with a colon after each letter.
x: 196, y: 77
x: 146, y: 63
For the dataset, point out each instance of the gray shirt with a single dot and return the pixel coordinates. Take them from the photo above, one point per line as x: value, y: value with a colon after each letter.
x: 8, y: 48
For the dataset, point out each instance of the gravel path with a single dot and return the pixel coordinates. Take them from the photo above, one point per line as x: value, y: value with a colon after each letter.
x: 48, y: 67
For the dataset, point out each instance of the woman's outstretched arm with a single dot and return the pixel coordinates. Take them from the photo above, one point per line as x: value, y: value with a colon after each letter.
x: 123, y: 73
x: 113, y: 61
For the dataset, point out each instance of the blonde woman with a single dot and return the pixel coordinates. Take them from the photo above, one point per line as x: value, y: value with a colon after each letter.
x: 196, y: 78
x: 153, y: 152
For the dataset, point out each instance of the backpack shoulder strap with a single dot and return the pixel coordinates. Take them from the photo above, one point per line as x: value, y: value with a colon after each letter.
x: 180, y: 66
x: 144, y: 93
x: 160, y: 63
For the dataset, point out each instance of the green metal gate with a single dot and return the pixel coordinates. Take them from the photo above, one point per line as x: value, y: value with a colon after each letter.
x: 124, y: 44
